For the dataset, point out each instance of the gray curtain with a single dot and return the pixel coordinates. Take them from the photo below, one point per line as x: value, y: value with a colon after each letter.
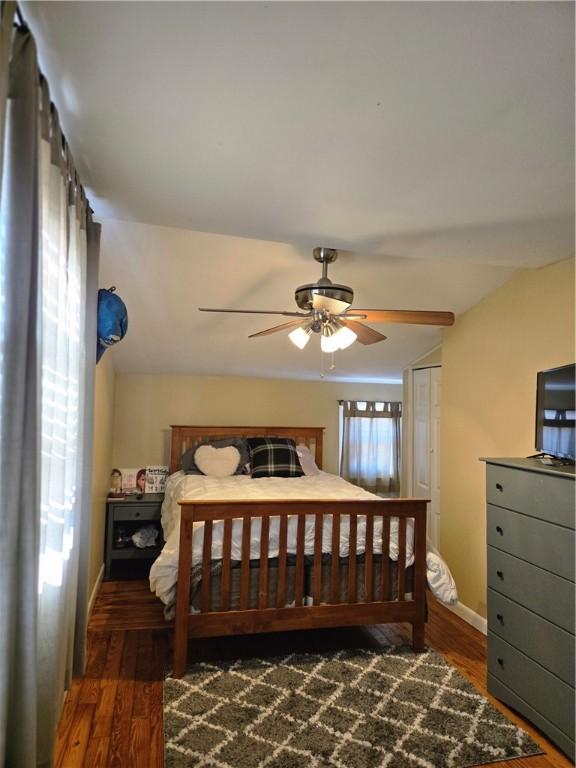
x: 371, y: 445
x: 19, y: 411
x: 7, y: 10
x: 85, y: 467
x: 49, y: 249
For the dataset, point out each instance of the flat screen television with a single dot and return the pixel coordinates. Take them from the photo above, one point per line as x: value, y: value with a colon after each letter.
x: 556, y: 412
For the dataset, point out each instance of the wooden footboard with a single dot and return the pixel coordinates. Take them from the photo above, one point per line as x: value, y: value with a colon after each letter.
x: 244, y: 620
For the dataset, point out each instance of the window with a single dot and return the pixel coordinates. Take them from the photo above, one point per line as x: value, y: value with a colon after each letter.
x: 370, y: 444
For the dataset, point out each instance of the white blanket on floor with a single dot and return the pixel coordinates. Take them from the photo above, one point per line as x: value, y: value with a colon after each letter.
x: 324, y: 486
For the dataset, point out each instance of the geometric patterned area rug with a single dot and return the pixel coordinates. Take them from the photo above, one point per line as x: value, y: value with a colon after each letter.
x: 355, y: 708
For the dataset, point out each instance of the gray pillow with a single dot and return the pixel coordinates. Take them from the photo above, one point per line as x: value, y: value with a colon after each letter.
x: 189, y: 465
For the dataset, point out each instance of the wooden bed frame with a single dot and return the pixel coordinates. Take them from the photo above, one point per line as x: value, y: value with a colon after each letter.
x: 336, y: 613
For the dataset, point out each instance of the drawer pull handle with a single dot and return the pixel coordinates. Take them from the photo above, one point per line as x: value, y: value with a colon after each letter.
x: 500, y: 530
x: 137, y: 514
x: 500, y: 575
x: 500, y: 618
x: 500, y: 661
x: 499, y: 487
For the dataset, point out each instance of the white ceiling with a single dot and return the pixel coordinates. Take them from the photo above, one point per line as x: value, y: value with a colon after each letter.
x: 164, y: 274
x: 433, y: 141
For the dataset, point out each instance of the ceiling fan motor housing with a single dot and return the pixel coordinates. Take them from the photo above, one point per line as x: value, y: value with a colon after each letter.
x: 304, y: 295
x: 324, y: 294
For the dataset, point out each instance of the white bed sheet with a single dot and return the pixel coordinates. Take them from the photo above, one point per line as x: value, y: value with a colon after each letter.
x: 324, y: 486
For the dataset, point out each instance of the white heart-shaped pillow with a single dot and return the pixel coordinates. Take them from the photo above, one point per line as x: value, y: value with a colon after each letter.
x: 217, y: 462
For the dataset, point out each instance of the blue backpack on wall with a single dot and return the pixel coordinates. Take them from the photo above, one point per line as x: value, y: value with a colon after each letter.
x: 112, y: 320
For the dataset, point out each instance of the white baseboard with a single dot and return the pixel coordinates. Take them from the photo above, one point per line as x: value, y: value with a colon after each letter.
x: 477, y: 621
x: 95, y: 591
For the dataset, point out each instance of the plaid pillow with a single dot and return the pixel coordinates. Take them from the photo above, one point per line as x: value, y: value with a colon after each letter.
x: 274, y: 457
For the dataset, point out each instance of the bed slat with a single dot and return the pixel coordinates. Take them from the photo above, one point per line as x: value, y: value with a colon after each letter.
x: 368, y: 560
x: 352, y: 559
x: 401, y: 557
x: 264, y: 541
x: 335, y: 570
x: 226, y: 556
x: 282, y: 549
x: 206, y: 567
x: 385, y: 569
x: 419, y: 593
x: 245, y: 567
x: 300, y: 559
x: 317, y: 576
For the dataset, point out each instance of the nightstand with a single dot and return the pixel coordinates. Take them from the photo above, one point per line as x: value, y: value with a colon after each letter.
x: 123, y: 518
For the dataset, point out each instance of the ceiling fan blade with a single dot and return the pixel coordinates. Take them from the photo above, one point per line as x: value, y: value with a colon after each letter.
x: 406, y: 316
x: 365, y: 334
x: 254, y: 312
x: 276, y: 328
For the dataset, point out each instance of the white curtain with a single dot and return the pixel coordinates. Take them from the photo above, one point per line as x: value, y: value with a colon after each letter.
x: 63, y: 263
x: 370, y: 449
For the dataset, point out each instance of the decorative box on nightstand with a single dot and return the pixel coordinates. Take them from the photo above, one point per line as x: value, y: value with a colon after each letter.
x: 124, y: 517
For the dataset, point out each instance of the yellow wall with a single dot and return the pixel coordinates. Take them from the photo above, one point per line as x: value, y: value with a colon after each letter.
x: 489, y: 362
x: 102, y: 462
x: 146, y: 405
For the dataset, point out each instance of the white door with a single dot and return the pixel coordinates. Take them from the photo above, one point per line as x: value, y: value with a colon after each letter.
x: 434, y: 509
x: 426, y: 391
x: 421, y: 437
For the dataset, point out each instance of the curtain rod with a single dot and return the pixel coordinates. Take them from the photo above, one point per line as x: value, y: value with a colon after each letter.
x: 341, y: 402
x: 20, y: 22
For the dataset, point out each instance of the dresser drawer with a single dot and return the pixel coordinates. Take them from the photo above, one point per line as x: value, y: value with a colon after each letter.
x: 502, y: 692
x: 544, y: 593
x: 539, y: 688
x: 137, y: 512
x: 532, y: 493
x: 544, y: 544
x: 542, y: 641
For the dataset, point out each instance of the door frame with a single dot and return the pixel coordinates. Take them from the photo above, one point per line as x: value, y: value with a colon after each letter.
x: 407, y: 475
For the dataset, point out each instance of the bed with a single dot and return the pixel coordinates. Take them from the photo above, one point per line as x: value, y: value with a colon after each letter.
x: 250, y: 564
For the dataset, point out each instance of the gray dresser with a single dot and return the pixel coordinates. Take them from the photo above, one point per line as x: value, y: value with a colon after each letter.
x: 530, y: 533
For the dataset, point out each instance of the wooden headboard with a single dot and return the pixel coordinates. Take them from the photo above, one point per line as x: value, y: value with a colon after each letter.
x: 184, y: 436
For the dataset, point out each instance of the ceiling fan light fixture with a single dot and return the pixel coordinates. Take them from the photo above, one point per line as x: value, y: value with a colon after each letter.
x: 300, y: 336
x: 329, y: 339
x: 345, y: 336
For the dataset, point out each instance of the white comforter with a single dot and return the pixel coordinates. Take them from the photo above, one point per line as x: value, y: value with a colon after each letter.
x: 163, y: 574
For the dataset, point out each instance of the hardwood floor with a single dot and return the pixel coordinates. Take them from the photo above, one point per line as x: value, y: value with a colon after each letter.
x: 113, y: 715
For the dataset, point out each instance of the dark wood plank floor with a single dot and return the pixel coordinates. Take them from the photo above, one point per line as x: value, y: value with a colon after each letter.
x: 113, y: 716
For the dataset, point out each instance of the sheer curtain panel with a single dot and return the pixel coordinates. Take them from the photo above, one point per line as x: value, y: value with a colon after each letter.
x: 49, y: 252
x: 370, y: 450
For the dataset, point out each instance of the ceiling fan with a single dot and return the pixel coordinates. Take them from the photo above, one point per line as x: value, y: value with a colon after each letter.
x: 326, y: 310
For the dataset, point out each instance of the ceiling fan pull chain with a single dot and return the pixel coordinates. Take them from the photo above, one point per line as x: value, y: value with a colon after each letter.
x: 332, y: 363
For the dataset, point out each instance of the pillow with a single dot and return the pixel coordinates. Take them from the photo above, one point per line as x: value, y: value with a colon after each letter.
x: 274, y: 457
x: 217, y: 462
x: 309, y: 466
x: 189, y: 466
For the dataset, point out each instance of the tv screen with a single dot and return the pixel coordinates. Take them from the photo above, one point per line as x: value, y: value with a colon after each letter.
x: 556, y: 412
